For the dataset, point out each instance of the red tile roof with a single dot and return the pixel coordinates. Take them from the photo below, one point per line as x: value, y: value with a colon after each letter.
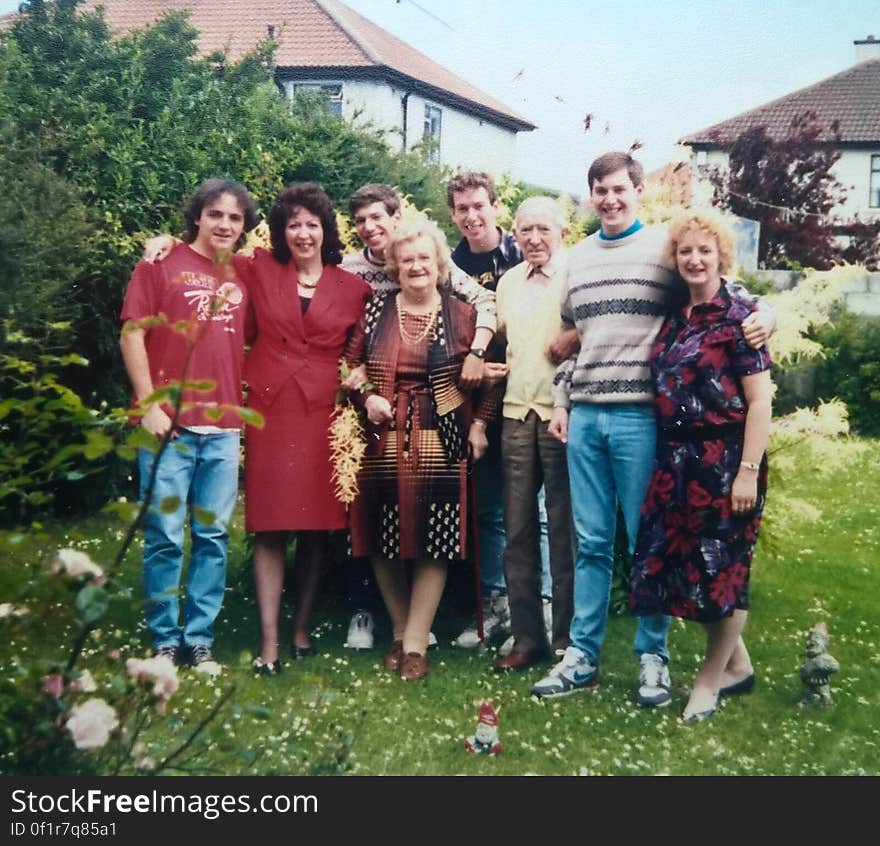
x: 323, y: 35
x: 851, y: 97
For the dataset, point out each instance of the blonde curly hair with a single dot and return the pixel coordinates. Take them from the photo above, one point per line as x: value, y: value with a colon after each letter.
x: 709, y: 223
x: 408, y: 230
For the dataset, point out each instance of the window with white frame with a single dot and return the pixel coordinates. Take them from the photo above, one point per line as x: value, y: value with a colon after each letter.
x: 433, y: 120
x: 331, y: 91
x: 874, y: 185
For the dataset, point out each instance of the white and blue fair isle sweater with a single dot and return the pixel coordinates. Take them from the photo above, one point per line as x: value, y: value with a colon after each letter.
x: 616, y: 294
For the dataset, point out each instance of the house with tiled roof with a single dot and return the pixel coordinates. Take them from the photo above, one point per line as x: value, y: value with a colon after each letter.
x: 851, y: 98
x: 325, y: 46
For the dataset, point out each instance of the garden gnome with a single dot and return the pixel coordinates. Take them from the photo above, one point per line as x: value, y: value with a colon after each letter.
x: 817, y: 668
x: 485, y: 740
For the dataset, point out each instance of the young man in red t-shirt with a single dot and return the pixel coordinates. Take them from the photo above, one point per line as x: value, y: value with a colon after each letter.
x: 201, y: 301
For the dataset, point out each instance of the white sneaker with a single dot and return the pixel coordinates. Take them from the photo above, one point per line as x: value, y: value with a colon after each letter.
x: 360, y: 632
x: 654, y: 683
x: 202, y: 660
x: 507, y: 647
x: 574, y: 673
x: 496, y: 621
x: 432, y: 640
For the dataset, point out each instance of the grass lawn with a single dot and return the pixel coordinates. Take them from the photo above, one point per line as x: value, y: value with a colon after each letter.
x: 341, y: 712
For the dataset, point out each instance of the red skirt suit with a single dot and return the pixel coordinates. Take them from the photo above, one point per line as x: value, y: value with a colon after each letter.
x: 292, y: 373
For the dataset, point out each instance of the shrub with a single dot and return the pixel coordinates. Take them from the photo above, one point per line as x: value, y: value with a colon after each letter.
x: 850, y: 369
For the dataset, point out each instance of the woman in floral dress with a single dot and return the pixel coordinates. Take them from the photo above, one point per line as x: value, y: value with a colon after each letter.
x: 703, y: 507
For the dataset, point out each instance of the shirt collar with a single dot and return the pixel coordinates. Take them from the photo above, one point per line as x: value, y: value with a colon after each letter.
x: 547, y: 269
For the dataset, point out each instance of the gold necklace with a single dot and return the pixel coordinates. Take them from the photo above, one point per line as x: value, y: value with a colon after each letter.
x: 405, y: 335
x: 308, y: 285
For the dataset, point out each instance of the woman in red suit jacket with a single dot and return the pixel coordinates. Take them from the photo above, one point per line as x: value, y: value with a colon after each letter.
x: 305, y: 308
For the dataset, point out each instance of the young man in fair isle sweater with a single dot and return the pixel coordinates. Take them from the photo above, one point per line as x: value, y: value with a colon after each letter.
x: 614, y: 298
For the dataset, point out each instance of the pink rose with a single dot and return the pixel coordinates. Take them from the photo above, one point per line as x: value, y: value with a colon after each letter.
x: 90, y: 724
x: 142, y: 761
x: 53, y: 685
x: 160, y: 672
x: 85, y: 683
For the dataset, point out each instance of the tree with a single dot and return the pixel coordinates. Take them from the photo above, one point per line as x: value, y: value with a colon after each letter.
x: 108, y: 136
x: 787, y: 185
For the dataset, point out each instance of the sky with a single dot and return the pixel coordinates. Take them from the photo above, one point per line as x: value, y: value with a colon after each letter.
x: 647, y: 70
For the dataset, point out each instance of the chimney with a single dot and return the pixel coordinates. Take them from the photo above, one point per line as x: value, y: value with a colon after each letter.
x: 867, y: 49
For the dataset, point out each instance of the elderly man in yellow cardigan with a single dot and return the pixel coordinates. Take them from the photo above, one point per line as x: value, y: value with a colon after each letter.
x: 527, y: 301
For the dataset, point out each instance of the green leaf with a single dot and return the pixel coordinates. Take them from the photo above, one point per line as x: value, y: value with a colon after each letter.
x: 169, y: 394
x: 170, y: 504
x: 204, y: 515
x: 73, y: 358
x: 98, y: 445
x: 248, y: 756
x: 141, y: 438
x: 124, y: 510
x: 92, y: 603
x: 63, y: 454
x: 249, y: 416
x: 202, y: 385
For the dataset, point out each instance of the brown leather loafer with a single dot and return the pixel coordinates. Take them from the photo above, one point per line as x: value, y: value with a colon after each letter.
x: 413, y: 666
x: 392, y: 659
x: 518, y: 661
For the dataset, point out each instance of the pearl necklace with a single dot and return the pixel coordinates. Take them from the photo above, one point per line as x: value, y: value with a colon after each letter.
x: 405, y: 335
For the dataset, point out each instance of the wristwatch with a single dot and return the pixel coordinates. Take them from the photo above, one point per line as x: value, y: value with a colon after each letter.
x: 479, y: 352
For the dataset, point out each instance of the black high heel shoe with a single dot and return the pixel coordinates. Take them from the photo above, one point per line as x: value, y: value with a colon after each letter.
x: 270, y: 668
x: 299, y: 652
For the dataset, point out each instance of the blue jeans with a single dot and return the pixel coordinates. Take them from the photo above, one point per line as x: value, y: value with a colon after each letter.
x: 546, y: 581
x: 488, y: 476
x: 610, y: 458
x: 490, y: 514
x: 202, y: 471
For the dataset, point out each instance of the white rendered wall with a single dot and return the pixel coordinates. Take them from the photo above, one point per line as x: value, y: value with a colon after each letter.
x: 852, y: 169
x: 465, y: 140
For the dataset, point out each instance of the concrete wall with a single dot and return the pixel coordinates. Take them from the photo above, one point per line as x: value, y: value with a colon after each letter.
x: 862, y: 294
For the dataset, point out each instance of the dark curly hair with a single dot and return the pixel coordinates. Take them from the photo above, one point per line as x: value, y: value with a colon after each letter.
x: 210, y: 191
x: 309, y: 196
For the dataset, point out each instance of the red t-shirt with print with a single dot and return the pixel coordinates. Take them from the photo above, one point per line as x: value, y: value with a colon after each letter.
x: 204, y: 307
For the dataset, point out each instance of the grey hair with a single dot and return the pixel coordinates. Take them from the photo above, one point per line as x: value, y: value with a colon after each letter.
x: 544, y: 206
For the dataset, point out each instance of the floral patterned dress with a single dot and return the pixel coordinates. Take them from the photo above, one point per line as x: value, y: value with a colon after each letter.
x: 692, y: 552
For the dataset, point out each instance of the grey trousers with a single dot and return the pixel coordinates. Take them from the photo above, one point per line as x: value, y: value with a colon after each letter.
x: 530, y: 458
